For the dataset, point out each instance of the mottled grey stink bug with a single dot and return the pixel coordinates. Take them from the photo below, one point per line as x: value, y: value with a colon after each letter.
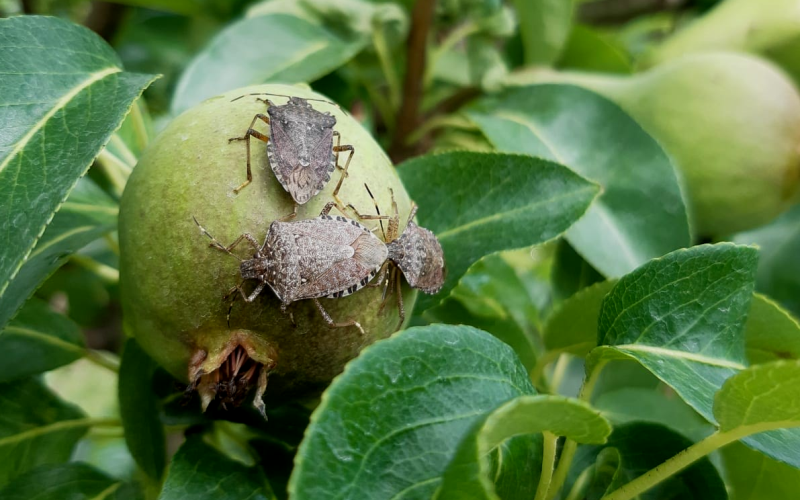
x: 328, y: 256
x: 417, y: 253
x: 299, y: 147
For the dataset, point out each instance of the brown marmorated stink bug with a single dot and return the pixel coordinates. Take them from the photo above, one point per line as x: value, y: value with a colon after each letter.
x: 328, y: 256
x: 299, y: 147
x: 417, y: 253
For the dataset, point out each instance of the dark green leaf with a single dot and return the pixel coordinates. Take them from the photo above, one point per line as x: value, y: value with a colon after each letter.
x: 643, y: 446
x: 36, y: 428
x: 38, y: 340
x: 771, y: 332
x: 570, y: 271
x: 640, y: 214
x: 70, y: 481
x: 269, y: 48
x: 467, y: 476
x: 493, y: 202
x: 753, y: 476
x: 545, y: 26
x: 682, y: 317
x: 779, y: 268
x: 200, y: 472
x: 572, y: 326
x: 493, y: 298
x: 139, y: 408
x: 87, y: 214
x: 390, y: 424
x: 63, y: 95
x: 516, y: 466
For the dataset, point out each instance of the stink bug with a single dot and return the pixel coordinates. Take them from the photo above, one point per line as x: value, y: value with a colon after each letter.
x: 309, y: 259
x: 416, y: 253
x: 299, y: 147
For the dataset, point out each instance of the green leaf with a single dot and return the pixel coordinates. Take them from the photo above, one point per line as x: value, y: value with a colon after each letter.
x: 572, y: 326
x: 607, y: 474
x: 200, y: 472
x: 269, y: 48
x: 139, y: 408
x: 752, y: 476
x: 657, y: 406
x: 762, y: 396
x: 86, y: 215
x: 643, y: 446
x: 493, y: 202
x: 682, y: 317
x: 36, y: 428
x: 544, y: 26
x: 590, y: 50
x: 63, y: 95
x: 640, y: 214
x: 38, y: 340
x: 492, y: 297
x: 467, y: 476
x: 771, y: 332
x: 72, y: 481
x: 390, y: 424
x: 570, y: 271
x: 779, y: 268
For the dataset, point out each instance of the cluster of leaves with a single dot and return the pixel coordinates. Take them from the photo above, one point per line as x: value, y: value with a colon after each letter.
x: 581, y: 366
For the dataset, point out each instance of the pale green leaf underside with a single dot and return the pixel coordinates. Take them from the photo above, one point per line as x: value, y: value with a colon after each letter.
x: 63, y: 94
x: 390, y: 424
x: 493, y: 202
x: 572, y: 326
x: 762, y: 396
x: 771, y: 332
x: 467, y: 476
x: 640, y: 214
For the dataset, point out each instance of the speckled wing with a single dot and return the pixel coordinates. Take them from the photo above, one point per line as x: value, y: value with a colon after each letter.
x: 419, y: 256
x: 282, y: 152
x: 335, y: 256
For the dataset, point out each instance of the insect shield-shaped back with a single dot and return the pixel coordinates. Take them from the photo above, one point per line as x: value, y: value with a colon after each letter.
x: 301, y: 149
x: 323, y: 257
x: 419, y: 256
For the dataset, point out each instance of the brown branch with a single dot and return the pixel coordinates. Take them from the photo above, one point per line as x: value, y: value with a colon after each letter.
x: 408, y: 115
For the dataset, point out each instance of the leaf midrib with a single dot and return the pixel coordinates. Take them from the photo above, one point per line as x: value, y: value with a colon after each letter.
x: 56, y: 341
x: 46, y: 429
x: 501, y: 215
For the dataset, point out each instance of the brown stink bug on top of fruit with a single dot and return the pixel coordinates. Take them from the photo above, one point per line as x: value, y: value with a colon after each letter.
x: 172, y: 284
x: 299, y: 146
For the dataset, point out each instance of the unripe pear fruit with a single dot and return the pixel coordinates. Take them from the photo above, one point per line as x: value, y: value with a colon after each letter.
x: 731, y: 124
x: 768, y: 28
x: 173, y: 283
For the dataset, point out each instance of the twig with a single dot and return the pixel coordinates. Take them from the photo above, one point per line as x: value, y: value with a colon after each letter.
x: 408, y: 117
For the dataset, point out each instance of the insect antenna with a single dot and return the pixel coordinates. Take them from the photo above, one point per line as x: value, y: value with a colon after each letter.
x: 378, y: 210
x: 216, y: 244
x: 288, y: 97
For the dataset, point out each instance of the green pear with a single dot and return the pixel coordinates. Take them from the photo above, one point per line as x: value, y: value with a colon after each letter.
x: 173, y: 284
x: 731, y: 124
x: 770, y: 28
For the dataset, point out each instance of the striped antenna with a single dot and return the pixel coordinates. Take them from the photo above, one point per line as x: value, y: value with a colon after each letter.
x: 288, y: 97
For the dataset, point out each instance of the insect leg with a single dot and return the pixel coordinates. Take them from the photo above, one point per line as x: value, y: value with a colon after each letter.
x: 337, y: 149
x: 398, y: 289
x: 381, y: 276
x: 246, y: 137
x: 331, y: 323
x: 219, y: 246
x: 290, y: 216
x: 255, y: 292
